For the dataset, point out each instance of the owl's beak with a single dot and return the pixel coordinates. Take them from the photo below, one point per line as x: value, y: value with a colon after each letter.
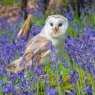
x: 56, y: 29
x: 55, y: 32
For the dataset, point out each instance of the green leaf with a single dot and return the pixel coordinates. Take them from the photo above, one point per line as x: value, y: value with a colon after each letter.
x: 1, y: 91
x: 65, y: 78
x: 63, y: 70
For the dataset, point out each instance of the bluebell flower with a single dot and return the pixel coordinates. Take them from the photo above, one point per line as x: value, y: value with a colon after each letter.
x: 36, y: 28
x: 86, y: 0
x: 88, y: 90
x: 65, y: 63
x: 71, y: 93
x: 53, y: 59
x: 60, y: 80
x: 93, y: 71
x: 52, y: 91
x: 74, y: 77
x: 3, y: 70
x: 9, y: 90
x: 74, y: 1
x: 13, y: 77
x: 81, y: 49
x: 40, y: 14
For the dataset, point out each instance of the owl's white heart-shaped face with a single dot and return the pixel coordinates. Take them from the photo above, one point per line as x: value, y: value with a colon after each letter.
x: 55, y: 26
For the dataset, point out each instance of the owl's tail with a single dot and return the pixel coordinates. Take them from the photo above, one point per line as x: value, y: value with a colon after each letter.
x: 15, y: 66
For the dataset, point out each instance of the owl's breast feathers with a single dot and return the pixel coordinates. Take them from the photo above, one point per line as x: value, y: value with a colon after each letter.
x: 36, y: 49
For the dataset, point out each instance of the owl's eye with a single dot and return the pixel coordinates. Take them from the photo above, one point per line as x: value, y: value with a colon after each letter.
x: 60, y: 24
x: 51, y: 24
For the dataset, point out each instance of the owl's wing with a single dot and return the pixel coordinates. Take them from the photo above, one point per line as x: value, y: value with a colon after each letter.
x: 38, y: 46
x: 14, y: 66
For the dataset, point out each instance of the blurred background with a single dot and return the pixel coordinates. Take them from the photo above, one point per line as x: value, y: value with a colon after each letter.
x: 13, y: 8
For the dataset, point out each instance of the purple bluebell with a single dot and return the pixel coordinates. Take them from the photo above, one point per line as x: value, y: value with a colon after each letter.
x: 81, y: 49
x: 74, y: 77
x: 88, y: 90
x: 52, y: 91
x: 9, y: 89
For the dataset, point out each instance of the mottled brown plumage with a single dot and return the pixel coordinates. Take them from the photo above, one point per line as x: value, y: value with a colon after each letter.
x: 37, y: 45
x: 35, y: 50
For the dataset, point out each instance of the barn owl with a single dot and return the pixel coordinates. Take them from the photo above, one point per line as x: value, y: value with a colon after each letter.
x: 37, y: 48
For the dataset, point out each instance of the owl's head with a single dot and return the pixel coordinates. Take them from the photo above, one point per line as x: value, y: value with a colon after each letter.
x: 55, y: 26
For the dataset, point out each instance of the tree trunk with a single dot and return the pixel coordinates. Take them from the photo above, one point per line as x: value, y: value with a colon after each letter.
x: 46, y: 3
x: 32, y: 4
x: 55, y: 6
x: 23, y: 8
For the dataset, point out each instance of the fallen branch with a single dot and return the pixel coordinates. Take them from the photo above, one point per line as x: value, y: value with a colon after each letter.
x: 24, y: 31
